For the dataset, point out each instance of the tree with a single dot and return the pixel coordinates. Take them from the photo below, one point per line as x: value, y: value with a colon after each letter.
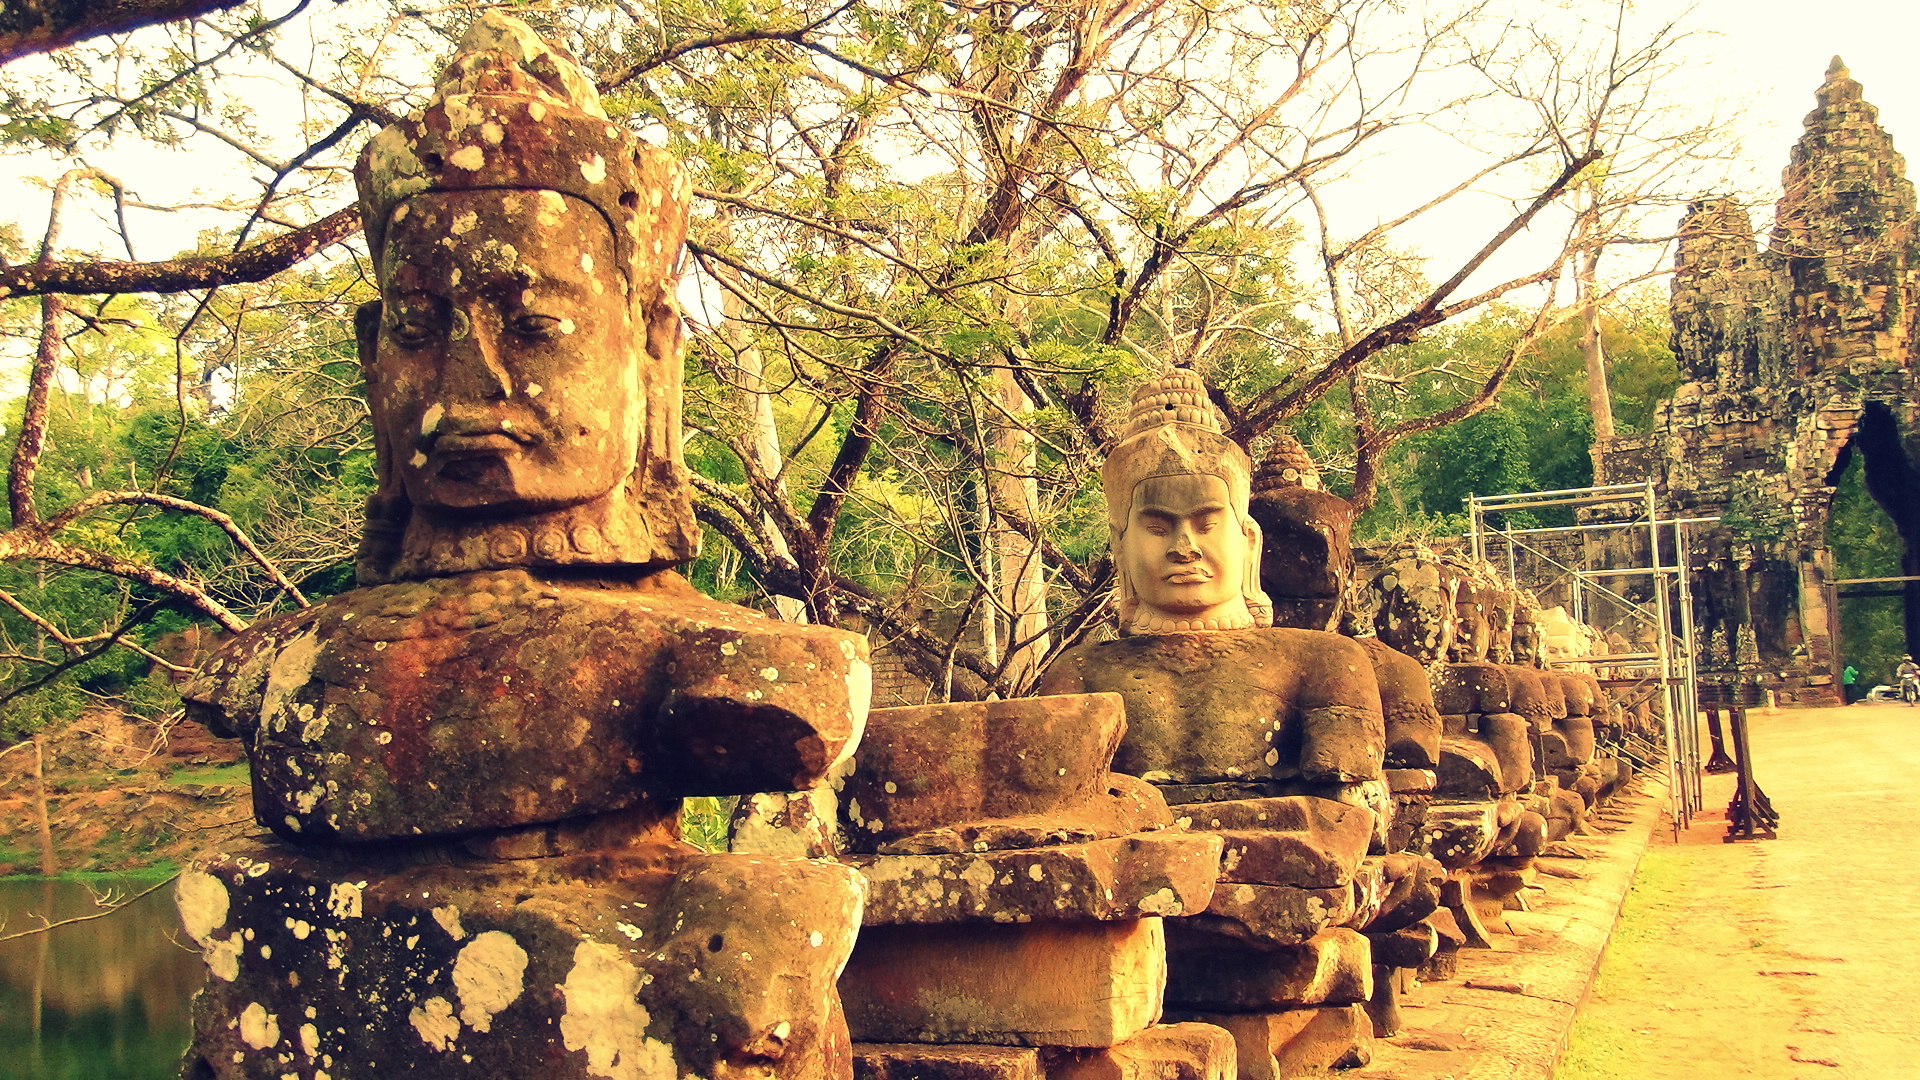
x: 936, y: 241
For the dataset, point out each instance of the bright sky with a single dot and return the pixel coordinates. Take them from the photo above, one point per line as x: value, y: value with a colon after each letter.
x: 1770, y: 55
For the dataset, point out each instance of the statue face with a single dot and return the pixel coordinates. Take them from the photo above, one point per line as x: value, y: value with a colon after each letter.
x: 505, y: 380
x: 1185, y: 551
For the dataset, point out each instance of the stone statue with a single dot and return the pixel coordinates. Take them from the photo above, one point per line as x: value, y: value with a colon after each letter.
x: 1187, y: 556
x: 475, y: 761
x: 1306, y: 559
x: 1269, y: 737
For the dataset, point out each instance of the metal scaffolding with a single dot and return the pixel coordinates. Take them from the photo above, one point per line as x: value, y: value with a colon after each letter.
x: 1647, y: 550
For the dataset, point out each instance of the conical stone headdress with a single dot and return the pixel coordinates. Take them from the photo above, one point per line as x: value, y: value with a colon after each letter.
x: 1173, y: 430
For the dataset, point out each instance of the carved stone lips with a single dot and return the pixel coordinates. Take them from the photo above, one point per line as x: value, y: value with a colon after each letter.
x: 480, y: 443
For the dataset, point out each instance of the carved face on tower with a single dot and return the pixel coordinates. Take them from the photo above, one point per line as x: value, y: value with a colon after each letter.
x: 1185, y: 547
x: 523, y: 362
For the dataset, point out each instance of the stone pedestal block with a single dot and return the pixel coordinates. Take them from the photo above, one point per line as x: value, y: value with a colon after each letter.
x: 635, y: 963
x: 1018, y: 773
x: 1334, y: 967
x: 1162, y: 1052
x: 1128, y: 877
x: 920, y: 1061
x: 1086, y: 984
x: 1297, y: 1042
x: 1461, y: 834
x: 1299, y: 840
x: 1266, y: 916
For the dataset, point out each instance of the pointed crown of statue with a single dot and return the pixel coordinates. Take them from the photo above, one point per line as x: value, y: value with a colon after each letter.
x: 1286, y: 465
x: 1174, y: 430
x: 513, y: 113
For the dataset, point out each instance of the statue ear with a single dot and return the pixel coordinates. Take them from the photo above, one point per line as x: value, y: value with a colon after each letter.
x: 366, y: 335
x: 1259, y: 604
x: 388, y: 508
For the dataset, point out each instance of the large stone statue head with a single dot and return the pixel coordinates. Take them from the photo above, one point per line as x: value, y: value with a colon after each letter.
x: 1186, y: 552
x: 1306, y: 560
x: 523, y: 361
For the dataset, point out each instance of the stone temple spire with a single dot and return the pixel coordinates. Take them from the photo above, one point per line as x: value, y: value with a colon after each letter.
x: 1844, y: 238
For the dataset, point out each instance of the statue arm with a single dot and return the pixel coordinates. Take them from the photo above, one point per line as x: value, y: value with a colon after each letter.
x: 1343, y: 734
x: 764, y: 710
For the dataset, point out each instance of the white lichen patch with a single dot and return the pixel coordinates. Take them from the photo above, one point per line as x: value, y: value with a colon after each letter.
x: 344, y: 899
x: 258, y: 1027
x: 594, y: 169
x: 434, y: 1021
x: 464, y: 223
x: 470, y: 158
x: 289, y: 671
x: 604, y: 1019
x: 309, y: 1040
x: 1163, y: 902
x: 448, y: 916
x: 203, y: 902
x: 430, y: 420
x: 488, y: 975
x: 223, y: 957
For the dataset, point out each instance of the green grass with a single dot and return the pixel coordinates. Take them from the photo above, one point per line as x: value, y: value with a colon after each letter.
x: 1601, y: 1049
x: 212, y: 775
x: 147, y: 875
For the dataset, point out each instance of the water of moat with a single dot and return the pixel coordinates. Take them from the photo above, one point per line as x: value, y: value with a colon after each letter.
x: 103, y: 998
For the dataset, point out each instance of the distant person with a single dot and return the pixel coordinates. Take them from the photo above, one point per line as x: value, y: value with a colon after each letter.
x: 1909, y: 676
x: 1850, y: 684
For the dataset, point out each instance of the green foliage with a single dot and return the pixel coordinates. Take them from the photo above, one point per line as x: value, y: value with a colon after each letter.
x: 1539, y: 435
x: 1866, y: 543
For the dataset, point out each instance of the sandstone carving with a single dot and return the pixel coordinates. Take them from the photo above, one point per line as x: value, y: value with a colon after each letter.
x: 474, y: 762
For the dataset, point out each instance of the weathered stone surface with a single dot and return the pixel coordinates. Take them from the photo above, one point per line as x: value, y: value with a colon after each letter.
x: 1299, y: 840
x: 1408, y: 947
x: 798, y: 823
x: 1461, y: 834
x: 1334, y: 967
x: 1161, y: 1052
x: 1409, y: 890
x: 352, y: 739
x: 1243, y: 705
x: 1128, y: 877
x: 1406, y: 698
x: 1298, y: 1042
x: 1524, y: 837
x: 1010, y: 770
x: 675, y: 962
x: 1412, y: 781
x: 1039, y: 984
x: 1265, y: 916
x: 924, y: 1061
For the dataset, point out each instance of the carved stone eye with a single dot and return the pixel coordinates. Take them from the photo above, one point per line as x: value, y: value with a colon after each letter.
x: 539, y: 327
x: 413, y: 333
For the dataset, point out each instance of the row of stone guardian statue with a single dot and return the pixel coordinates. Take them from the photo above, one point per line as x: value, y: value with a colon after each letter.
x: 1223, y: 843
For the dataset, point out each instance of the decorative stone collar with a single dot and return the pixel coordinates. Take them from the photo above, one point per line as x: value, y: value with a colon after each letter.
x: 606, y: 532
x: 1146, y: 622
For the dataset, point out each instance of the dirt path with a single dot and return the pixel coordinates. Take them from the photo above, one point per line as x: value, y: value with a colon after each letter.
x: 1786, y: 958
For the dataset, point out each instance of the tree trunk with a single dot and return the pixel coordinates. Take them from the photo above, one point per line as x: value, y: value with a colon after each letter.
x: 1014, y: 485
x: 48, y: 867
x: 763, y: 434
x: 1592, y: 353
